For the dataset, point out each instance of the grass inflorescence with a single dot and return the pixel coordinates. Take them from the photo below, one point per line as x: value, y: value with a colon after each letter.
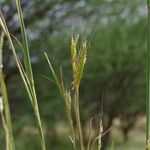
x: 71, y: 97
x: 78, y: 61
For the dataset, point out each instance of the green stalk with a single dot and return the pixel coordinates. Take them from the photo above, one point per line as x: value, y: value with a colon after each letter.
x: 7, y: 119
x: 69, y: 116
x: 28, y: 69
x: 77, y: 116
x: 148, y: 83
x: 27, y: 60
x: 90, y: 138
x: 78, y: 63
x: 67, y: 100
x: 20, y: 68
x: 8, y: 123
x: 6, y: 131
x: 26, y: 74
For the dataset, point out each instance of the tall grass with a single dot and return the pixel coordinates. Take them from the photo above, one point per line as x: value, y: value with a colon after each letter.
x: 6, y: 117
x: 71, y: 97
x: 25, y: 72
x: 78, y: 62
x: 66, y: 99
x: 148, y: 84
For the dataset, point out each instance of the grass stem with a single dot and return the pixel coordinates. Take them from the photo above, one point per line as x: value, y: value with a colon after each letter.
x: 148, y: 83
x: 66, y: 99
x: 6, y: 116
x: 77, y: 116
x: 26, y: 74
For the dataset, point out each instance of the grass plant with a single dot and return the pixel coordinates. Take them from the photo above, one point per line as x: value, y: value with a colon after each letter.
x: 25, y: 72
x: 78, y: 61
x: 71, y: 97
x: 66, y: 99
x: 4, y: 104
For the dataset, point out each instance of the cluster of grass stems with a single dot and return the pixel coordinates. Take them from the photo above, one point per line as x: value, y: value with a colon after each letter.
x: 25, y: 70
x: 26, y: 75
x: 70, y: 97
x: 5, y: 115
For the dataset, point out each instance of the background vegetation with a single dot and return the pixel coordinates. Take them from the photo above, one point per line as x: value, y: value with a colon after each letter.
x: 116, y: 66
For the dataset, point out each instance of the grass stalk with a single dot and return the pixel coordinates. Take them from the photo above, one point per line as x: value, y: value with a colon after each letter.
x: 27, y: 60
x: 77, y: 116
x: 20, y: 68
x: 148, y: 84
x: 6, y: 131
x: 90, y: 137
x: 6, y: 117
x: 66, y: 99
x: 100, y: 135
x: 28, y: 69
x: 78, y: 62
x: 26, y: 74
x: 99, y: 144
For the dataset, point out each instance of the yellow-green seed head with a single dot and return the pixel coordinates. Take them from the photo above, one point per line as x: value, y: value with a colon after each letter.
x: 81, y: 61
x: 74, y: 53
x: 78, y: 59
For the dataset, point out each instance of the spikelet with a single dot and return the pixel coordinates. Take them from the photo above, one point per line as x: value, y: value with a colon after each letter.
x: 81, y: 61
x: 74, y: 42
x: 78, y: 59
